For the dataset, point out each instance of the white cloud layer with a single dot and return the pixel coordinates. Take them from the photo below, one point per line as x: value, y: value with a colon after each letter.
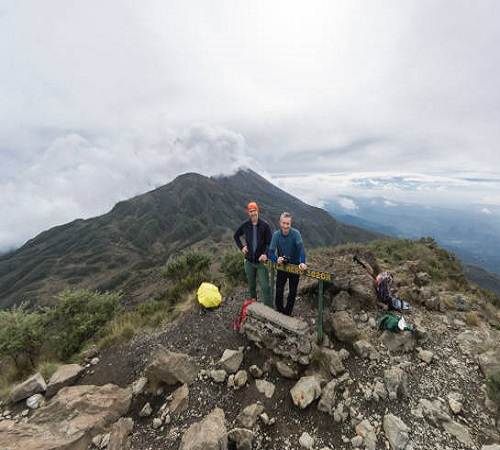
x: 105, y: 100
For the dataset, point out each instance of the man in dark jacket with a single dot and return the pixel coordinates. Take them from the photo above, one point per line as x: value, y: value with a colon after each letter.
x: 257, y: 234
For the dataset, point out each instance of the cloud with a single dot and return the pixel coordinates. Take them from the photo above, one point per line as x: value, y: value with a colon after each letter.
x: 102, y: 101
x: 459, y: 190
x: 78, y: 177
x: 348, y: 203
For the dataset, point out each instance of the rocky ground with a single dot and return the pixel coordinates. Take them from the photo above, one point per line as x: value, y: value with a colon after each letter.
x: 438, y: 400
x: 372, y: 389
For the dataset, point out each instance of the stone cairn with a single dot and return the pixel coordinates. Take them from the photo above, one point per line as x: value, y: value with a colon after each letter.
x: 286, y: 336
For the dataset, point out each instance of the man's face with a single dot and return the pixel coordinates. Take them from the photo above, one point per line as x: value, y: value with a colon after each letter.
x: 285, y: 225
x: 253, y: 214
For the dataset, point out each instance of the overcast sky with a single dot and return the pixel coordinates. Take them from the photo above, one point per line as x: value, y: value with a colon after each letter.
x: 103, y: 100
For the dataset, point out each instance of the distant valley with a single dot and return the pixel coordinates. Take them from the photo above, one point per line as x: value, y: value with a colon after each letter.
x: 472, y: 234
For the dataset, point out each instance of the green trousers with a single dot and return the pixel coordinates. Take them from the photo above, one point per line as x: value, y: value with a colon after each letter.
x: 254, y: 270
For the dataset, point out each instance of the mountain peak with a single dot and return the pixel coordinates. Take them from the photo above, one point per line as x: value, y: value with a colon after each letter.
x: 117, y: 250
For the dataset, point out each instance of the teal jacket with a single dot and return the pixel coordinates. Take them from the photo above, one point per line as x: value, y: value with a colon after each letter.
x: 290, y: 246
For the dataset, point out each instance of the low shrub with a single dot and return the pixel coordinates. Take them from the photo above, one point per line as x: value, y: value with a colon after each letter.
x: 76, y: 317
x: 232, y: 267
x: 21, y: 334
x: 182, y: 266
x: 493, y: 387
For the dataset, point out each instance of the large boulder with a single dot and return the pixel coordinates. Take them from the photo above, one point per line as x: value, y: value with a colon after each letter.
x: 208, y: 434
x: 65, y: 375
x: 33, y: 385
x: 344, y: 328
x: 69, y: 421
x: 171, y: 367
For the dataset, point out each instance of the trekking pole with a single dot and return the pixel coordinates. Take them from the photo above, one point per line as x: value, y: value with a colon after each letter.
x: 369, y: 270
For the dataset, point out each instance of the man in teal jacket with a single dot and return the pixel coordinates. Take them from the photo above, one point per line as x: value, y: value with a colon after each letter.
x: 287, y: 247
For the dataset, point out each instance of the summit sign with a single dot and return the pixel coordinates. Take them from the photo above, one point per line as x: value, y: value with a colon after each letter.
x: 291, y: 268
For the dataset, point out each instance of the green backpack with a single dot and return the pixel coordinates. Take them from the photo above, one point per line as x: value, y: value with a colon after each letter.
x: 393, y: 323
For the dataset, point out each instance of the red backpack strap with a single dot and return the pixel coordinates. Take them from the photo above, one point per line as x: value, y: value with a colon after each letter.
x: 243, y: 315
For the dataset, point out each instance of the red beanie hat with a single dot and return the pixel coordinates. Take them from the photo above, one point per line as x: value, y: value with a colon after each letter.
x: 252, y: 205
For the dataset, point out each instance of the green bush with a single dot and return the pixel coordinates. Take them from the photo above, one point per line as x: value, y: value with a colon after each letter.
x: 493, y: 387
x: 21, y: 334
x: 48, y: 368
x: 186, y: 285
x: 151, y: 307
x: 232, y: 267
x: 441, y: 265
x: 76, y: 317
x: 119, y: 331
x: 191, y: 262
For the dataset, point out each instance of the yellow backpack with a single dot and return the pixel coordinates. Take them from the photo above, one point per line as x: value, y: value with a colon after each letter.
x: 209, y: 295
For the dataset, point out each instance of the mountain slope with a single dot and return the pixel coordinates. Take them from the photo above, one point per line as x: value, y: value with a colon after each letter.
x: 471, y: 234
x: 483, y: 278
x: 119, y: 250
x: 364, y: 387
x: 314, y: 223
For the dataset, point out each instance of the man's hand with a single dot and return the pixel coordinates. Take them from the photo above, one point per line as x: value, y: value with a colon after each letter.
x: 302, y: 266
x: 245, y: 249
x: 263, y: 258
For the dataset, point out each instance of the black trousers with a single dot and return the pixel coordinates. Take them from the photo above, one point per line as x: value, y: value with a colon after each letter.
x: 293, y: 283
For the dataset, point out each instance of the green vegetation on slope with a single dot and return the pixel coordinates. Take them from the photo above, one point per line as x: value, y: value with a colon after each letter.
x: 42, y: 338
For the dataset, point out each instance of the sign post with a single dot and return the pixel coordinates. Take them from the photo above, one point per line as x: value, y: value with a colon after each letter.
x: 311, y: 273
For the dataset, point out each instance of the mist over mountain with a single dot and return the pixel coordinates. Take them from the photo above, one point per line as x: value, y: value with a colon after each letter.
x: 472, y: 233
x: 121, y: 249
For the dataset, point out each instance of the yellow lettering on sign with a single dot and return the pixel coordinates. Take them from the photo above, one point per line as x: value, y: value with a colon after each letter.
x: 318, y: 275
x: 291, y: 268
